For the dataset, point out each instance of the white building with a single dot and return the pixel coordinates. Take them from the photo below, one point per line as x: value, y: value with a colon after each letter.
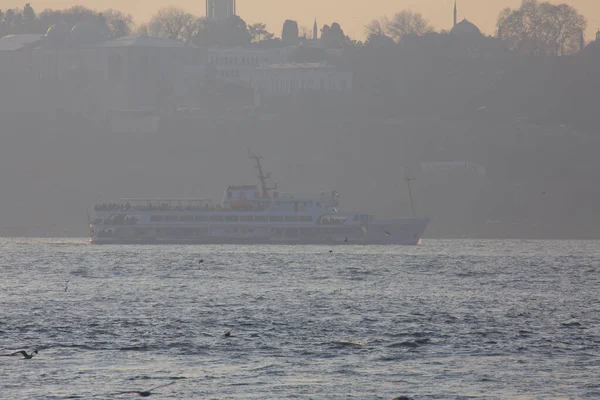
x: 299, y: 78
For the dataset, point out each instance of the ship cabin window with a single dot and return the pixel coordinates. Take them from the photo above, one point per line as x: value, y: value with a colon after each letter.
x: 364, y: 218
x: 202, y: 218
x: 231, y: 218
x: 261, y: 218
x: 156, y: 218
x: 291, y: 218
x: 306, y: 218
x: 186, y: 218
x: 276, y: 218
x: 247, y: 218
x: 216, y: 218
x: 171, y: 218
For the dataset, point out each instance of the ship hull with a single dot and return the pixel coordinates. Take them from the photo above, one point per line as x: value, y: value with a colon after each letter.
x: 392, y: 232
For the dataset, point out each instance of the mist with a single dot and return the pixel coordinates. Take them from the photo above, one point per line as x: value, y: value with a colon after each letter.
x: 499, y: 132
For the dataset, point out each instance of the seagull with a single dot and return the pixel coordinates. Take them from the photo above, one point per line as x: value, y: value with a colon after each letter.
x: 346, y: 240
x: 227, y: 334
x: 23, y: 352
x: 66, y: 286
x: 331, y: 251
x: 144, y: 393
x: 200, y: 261
x: 387, y: 233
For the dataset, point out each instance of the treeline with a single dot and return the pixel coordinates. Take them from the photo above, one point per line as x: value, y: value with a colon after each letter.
x: 538, y: 28
x: 169, y: 22
x: 27, y: 20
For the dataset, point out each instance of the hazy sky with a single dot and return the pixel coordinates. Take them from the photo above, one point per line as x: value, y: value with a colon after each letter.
x: 351, y: 14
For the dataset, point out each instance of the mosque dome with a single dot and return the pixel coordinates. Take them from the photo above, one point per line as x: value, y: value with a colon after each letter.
x: 465, y: 29
x: 57, y: 35
x: 88, y: 33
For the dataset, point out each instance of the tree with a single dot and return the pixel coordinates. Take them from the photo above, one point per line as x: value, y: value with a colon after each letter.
x: 29, y: 19
x: 259, y: 32
x: 541, y: 28
x: 2, y: 26
x: 232, y: 32
x: 77, y: 14
x: 118, y: 23
x: 235, y: 32
x: 333, y: 36
x: 406, y: 23
x: 289, y: 33
x: 374, y: 28
x: 49, y: 17
x: 174, y: 23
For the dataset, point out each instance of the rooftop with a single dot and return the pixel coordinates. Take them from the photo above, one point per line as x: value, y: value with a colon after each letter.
x: 143, y: 41
x: 17, y: 42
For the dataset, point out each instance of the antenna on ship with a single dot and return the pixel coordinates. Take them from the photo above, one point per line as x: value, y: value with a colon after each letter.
x: 408, y: 181
x: 261, y: 175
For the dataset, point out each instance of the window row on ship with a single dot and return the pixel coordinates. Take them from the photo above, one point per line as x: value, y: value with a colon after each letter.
x: 230, y: 218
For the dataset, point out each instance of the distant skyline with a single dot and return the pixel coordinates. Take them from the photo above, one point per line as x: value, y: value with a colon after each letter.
x: 352, y: 15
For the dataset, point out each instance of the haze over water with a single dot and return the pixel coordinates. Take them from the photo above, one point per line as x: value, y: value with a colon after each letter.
x: 447, y: 319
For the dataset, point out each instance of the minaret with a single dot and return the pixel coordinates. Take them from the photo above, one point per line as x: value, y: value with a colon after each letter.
x: 581, y: 41
x: 455, y: 14
x: 315, y: 30
x: 598, y: 35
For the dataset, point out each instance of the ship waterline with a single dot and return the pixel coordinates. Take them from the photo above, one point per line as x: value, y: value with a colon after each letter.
x: 247, y: 215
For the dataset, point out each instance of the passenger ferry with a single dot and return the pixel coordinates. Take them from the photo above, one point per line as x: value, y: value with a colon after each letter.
x: 247, y: 215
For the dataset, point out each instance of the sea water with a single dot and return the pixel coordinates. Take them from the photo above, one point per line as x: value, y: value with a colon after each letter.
x: 448, y: 319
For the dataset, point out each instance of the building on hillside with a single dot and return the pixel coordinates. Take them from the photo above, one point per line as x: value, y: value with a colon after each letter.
x: 16, y: 54
x: 301, y: 78
x: 237, y: 65
x: 90, y: 77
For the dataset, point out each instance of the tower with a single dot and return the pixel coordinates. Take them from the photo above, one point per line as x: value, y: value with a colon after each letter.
x: 581, y: 41
x: 455, y: 14
x: 219, y: 10
x: 315, y: 30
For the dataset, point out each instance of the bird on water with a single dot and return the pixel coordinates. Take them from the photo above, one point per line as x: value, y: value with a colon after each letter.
x: 23, y: 353
x: 200, y: 261
x: 144, y: 393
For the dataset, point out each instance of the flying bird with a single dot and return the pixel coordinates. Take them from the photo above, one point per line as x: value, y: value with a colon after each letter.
x: 387, y: 233
x: 22, y: 352
x: 145, y: 393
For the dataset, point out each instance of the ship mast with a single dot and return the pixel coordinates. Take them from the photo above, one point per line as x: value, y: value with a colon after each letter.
x: 261, y: 175
x: 408, y: 181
